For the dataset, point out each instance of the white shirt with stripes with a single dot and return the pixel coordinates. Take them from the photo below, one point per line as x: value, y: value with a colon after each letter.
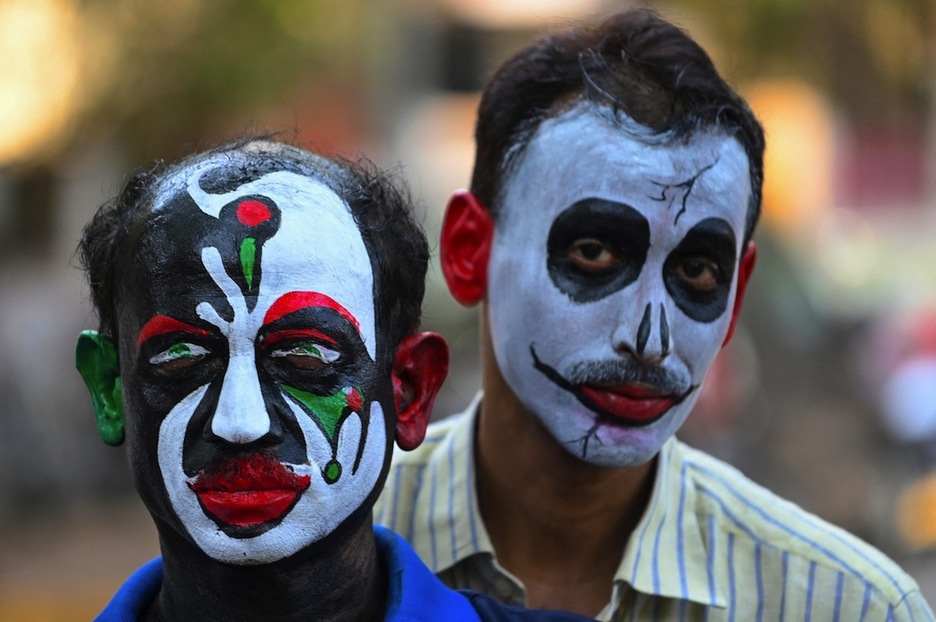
x: 712, y: 545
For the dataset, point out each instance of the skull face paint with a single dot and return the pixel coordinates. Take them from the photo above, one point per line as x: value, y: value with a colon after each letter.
x: 612, y: 277
x: 256, y: 418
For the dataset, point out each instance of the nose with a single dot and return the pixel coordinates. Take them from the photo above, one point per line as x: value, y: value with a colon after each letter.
x: 650, y: 342
x: 241, y: 416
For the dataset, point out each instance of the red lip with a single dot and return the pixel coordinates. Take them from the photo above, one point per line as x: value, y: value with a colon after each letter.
x: 633, y: 403
x: 248, y: 490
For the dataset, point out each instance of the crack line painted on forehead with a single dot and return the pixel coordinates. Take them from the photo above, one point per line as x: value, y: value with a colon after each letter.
x: 684, y: 186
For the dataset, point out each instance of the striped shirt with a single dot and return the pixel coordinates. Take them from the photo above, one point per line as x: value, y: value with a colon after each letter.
x: 712, y: 545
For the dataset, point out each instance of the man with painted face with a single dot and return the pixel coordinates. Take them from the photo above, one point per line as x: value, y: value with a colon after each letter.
x: 258, y: 350
x: 607, y: 235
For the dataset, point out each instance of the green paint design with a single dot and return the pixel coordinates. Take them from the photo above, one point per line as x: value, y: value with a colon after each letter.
x: 326, y: 410
x: 332, y: 472
x: 96, y: 360
x: 313, y: 351
x: 248, y: 252
x: 180, y: 350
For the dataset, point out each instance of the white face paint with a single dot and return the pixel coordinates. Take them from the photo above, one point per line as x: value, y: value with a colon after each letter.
x: 611, y: 280
x: 310, y: 325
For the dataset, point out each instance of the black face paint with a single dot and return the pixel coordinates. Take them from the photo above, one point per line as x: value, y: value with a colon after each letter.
x: 708, y: 249
x: 643, y: 331
x: 171, y: 281
x: 664, y: 331
x: 617, y: 227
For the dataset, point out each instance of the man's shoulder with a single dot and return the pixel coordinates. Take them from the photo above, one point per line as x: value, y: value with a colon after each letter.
x: 755, y: 518
x: 135, y: 595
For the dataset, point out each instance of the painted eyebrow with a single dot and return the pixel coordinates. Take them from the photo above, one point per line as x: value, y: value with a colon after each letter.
x: 299, y: 333
x: 162, y: 324
x: 296, y: 301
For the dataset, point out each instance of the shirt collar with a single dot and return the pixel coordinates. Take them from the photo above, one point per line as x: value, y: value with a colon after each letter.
x: 666, y: 554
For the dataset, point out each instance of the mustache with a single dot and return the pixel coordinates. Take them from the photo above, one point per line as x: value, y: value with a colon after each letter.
x: 626, y: 371
x: 254, y: 471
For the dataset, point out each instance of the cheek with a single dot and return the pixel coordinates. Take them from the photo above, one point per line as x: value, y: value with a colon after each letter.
x: 697, y: 343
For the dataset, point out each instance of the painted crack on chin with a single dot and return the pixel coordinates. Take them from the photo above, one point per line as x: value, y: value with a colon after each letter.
x: 592, y: 433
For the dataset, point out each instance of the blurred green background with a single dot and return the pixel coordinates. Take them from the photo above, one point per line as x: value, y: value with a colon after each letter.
x: 813, y: 398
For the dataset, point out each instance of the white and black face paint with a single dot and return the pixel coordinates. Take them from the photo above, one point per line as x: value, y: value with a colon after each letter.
x: 256, y: 418
x: 612, y: 278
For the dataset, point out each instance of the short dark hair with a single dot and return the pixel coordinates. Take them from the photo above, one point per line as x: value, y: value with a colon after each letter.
x: 634, y: 61
x: 380, y: 204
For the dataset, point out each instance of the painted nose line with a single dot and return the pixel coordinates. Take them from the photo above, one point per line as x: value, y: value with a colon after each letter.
x: 645, y: 330
x: 241, y: 415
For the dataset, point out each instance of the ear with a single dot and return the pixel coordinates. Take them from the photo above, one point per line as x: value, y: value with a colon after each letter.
x: 465, y: 246
x: 96, y: 360
x: 744, y: 273
x: 419, y: 369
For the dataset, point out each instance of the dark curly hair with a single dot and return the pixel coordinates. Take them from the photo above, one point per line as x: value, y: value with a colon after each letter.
x: 637, y: 63
x: 380, y: 204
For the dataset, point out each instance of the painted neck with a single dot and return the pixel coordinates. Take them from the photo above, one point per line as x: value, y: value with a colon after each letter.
x: 340, y: 579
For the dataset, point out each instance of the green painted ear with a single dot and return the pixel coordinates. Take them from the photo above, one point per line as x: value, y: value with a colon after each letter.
x: 96, y: 360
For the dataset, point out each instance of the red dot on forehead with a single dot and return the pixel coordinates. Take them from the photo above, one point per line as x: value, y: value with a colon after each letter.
x: 252, y: 213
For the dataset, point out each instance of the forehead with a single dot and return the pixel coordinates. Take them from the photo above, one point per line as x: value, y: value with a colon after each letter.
x: 309, y: 242
x: 584, y: 154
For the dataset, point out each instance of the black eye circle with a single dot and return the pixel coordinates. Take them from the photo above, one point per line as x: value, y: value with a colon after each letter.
x: 178, y: 357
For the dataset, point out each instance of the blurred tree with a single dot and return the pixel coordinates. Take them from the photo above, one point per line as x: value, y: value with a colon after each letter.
x: 871, y: 57
x: 156, y: 80
x: 184, y: 69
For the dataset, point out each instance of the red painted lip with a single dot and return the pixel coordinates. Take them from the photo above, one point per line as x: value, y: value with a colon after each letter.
x: 633, y: 403
x: 248, y: 490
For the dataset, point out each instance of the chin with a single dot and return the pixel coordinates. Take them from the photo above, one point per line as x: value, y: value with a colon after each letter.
x: 605, y: 444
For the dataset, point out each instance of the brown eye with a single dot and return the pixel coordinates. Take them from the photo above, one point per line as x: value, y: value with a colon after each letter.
x: 592, y: 255
x: 178, y: 357
x: 699, y: 273
x: 307, y: 356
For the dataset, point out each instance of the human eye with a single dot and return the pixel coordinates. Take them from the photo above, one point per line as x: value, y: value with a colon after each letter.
x: 698, y: 273
x: 592, y: 255
x: 178, y: 356
x: 308, y: 355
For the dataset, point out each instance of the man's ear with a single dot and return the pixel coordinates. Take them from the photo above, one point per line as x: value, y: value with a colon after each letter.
x: 465, y: 246
x: 419, y: 369
x: 744, y: 273
x: 96, y: 360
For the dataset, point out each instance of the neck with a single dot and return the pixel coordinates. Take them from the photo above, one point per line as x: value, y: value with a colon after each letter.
x: 340, y: 578
x: 531, y: 491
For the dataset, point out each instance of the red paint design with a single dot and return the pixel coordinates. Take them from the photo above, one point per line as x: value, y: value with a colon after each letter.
x: 162, y: 324
x: 249, y: 489
x: 355, y: 399
x: 299, y: 333
x: 630, y: 402
x: 296, y: 301
x: 252, y: 213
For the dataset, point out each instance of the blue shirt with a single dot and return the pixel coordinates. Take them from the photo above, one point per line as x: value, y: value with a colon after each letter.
x: 413, y: 592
